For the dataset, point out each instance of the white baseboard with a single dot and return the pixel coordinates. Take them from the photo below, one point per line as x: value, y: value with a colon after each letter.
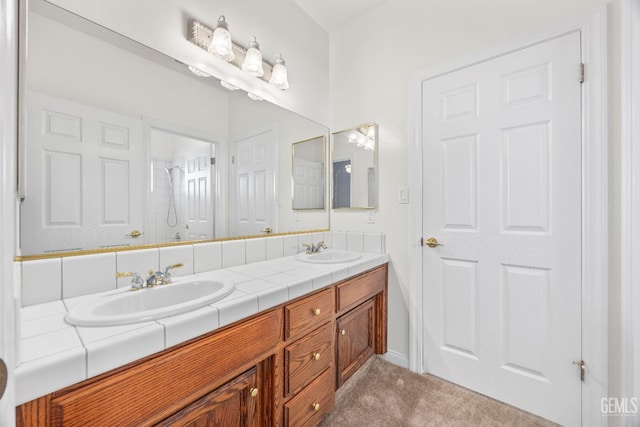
x: 396, y: 358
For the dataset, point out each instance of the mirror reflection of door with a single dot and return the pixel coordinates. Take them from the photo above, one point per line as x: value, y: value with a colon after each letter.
x: 253, y: 198
x: 308, y: 173
x: 181, y: 185
x: 342, y: 184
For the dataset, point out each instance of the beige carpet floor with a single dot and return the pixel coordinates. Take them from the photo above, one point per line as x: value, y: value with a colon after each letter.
x: 383, y: 394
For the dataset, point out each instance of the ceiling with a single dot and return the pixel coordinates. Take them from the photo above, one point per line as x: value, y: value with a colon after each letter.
x: 334, y: 14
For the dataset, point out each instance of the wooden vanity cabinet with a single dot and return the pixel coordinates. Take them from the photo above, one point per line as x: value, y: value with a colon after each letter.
x: 361, y: 326
x: 279, y: 367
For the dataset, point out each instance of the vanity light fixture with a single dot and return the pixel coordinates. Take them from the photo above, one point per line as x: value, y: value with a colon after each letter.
x: 198, y: 72
x: 254, y: 96
x: 218, y: 41
x: 227, y: 85
x: 279, y: 74
x: 253, y: 59
x: 221, y: 44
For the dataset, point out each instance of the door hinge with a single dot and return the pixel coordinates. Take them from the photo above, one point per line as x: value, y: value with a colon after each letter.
x: 213, y: 160
x: 233, y: 160
x: 582, y: 367
x: 582, y: 72
x: 421, y: 241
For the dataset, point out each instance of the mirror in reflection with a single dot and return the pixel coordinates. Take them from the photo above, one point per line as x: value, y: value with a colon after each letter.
x: 308, y: 173
x: 353, y: 167
x: 124, y: 146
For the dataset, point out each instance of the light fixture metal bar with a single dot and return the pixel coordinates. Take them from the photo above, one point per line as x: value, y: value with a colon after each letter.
x: 201, y: 35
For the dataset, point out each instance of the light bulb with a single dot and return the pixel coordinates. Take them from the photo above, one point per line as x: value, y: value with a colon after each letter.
x: 279, y: 74
x: 253, y: 59
x: 221, y: 41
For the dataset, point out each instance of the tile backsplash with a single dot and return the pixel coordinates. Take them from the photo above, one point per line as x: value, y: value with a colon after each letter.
x: 58, y: 278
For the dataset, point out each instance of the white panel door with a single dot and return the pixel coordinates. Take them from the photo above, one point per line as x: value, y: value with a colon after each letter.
x: 307, y: 184
x: 254, y: 171
x: 84, y: 183
x: 198, y: 206
x: 502, y: 193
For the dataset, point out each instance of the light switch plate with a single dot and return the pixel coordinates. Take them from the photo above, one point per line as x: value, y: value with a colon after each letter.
x: 403, y: 195
x: 371, y: 217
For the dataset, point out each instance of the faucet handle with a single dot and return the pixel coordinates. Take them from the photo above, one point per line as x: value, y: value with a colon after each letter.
x: 136, y: 281
x: 321, y: 244
x: 166, y: 279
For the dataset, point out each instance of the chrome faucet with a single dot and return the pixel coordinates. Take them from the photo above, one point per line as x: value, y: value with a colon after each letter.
x: 154, y: 279
x: 137, y: 282
x: 314, y: 249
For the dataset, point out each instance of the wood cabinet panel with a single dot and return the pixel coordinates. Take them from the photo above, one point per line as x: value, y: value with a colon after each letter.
x: 355, y: 339
x: 354, y: 291
x: 149, y: 392
x: 231, y: 405
x: 308, y: 313
x: 301, y: 410
x: 307, y: 357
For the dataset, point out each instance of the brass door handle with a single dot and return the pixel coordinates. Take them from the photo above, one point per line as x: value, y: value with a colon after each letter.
x: 266, y: 230
x: 135, y: 234
x: 432, y: 242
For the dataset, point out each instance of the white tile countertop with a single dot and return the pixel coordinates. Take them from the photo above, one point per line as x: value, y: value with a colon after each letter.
x: 54, y: 354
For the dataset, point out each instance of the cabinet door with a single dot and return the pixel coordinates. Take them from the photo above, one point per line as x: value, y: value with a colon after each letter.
x: 232, y: 404
x: 355, y: 339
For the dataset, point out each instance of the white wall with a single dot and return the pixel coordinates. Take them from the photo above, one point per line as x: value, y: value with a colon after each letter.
x: 65, y: 62
x: 280, y: 26
x: 371, y: 60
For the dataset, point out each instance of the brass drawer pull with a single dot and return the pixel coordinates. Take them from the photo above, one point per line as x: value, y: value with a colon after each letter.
x: 316, y: 356
x: 253, y: 392
x: 315, y: 406
x: 343, y: 332
x: 317, y: 312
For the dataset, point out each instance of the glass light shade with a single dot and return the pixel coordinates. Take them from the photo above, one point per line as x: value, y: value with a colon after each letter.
x: 279, y: 74
x: 198, y: 72
x: 228, y: 85
x: 253, y: 59
x: 221, y: 41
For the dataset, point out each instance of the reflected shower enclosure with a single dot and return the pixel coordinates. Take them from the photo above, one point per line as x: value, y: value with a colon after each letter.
x: 181, y: 177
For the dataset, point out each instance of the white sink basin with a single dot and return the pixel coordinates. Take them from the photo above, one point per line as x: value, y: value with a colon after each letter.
x: 331, y: 256
x: 148, y: 304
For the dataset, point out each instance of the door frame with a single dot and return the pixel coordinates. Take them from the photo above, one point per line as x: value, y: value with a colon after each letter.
x: 629, y: 233
x: 593, y: 29
x: 9, y: 297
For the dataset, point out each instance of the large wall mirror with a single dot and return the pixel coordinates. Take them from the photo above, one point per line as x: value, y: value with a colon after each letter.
x: 353, y: 168
x: 123, y: 146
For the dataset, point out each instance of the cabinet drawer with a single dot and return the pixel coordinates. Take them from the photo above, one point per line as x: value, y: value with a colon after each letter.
x: 357, y: 290
x: 307, y: 357
x: 308, y: 313
x: 309, y: 406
